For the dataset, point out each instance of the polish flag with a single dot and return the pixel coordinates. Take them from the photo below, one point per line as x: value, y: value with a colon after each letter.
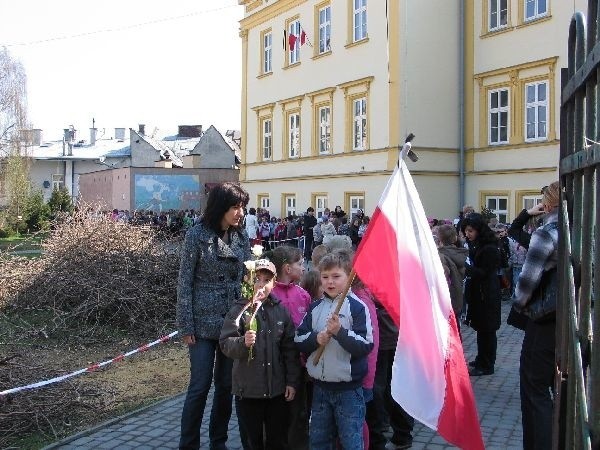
x: 398, y: 261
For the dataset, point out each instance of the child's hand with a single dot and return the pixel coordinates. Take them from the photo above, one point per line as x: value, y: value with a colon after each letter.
x: 333, y: 325
x: 323, y: 337
x: 250, y: 338
x: 290, y: 393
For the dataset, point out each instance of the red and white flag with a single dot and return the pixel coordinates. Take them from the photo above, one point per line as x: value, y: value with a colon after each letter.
x: 398, y: 261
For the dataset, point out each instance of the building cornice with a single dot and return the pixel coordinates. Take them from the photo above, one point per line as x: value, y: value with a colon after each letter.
x: 275, y: 9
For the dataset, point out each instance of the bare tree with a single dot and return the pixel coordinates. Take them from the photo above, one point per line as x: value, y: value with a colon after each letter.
x: 14, y: 164
x: 13, y: 100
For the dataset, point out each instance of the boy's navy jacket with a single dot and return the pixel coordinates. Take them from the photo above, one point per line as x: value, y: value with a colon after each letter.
x: 343, y: 364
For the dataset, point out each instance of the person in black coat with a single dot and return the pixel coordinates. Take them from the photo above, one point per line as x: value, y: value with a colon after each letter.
x: 482, y: 291
x: 309, y: 224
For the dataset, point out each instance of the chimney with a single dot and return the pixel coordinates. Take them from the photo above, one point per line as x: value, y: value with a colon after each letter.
x: 37, y: 136
x: 120, y: 134
x: 68, y: 138
x: 93, y: 132
x: 142, y: 128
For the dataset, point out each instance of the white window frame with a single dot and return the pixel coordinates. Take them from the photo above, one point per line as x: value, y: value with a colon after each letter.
x: 267, y: 139
x: 496, y: 209
x: 529, y: 201
x: 536, y: 10
x: 359, y: 123
x: 290, y: 205
x: 325, y: 29
x: 268, y: 52
x: 324, y: 137
x: 295, y: 29
x: 356, y: 202
x: 58, y: 181
x: 294, y: 135
x: 536, y: 105
x: 498, y: 112
x: 321, y: 203
x: 359, y: 20
x: 265, y: 203
x: 498, y: 5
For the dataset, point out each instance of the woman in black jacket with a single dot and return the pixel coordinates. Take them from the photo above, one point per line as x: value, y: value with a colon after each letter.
x: 482, y: 291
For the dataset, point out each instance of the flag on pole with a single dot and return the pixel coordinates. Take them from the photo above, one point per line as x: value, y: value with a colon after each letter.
x: 398, y: 261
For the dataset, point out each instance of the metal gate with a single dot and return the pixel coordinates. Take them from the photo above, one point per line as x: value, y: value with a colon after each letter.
x: 577, y: 407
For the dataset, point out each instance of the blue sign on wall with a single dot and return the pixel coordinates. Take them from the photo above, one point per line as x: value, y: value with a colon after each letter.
x: 164, y: 192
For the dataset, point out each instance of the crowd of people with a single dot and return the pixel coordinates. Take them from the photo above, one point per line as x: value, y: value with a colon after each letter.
x: 266, y: 351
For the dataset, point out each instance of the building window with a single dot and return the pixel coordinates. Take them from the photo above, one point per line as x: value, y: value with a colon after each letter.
x: 290, y: 205
x: 58, y: 181
x: 325, y: 29
x: 536, y: 111
x: 499, y: 206
x: 355, y: 201
x: 498, y: 14
x: 321, y: 203
x: 267, y: 141
x: 294, y: 135
x: 498, y: 116
x: 529, y: 201
x: 359, y: 21
x: 267, y: 46
x: 294, y: 29
x: 535, y: 9
x: 264, y: 201
x: 324, y: 129
x: 359, y: 133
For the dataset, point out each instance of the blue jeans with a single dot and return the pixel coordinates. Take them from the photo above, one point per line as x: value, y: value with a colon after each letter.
x: 340, y: 413
x: 205, y: 355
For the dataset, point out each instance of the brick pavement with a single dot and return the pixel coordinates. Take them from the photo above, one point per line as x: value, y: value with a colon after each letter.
x: 157, y: 427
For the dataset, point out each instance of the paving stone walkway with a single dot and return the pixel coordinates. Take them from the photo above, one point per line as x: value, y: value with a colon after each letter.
x: 498, y: 403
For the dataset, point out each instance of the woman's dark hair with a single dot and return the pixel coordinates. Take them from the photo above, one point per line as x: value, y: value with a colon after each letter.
x: 283, y: 254
x: 220, y: 199
x: 253, y: 211
x: 479, y: 224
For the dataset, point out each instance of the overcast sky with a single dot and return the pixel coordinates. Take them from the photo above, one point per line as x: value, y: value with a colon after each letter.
x: 125, y: 62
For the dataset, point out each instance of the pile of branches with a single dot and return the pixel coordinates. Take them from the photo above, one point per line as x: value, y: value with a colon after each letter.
x: 95, y: 275
x: 51, y: 411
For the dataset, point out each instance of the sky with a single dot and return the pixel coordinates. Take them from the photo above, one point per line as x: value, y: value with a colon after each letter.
x: 127, y: 62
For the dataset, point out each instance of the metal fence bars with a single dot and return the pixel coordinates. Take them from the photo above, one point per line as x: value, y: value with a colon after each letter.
x: 577, y: 404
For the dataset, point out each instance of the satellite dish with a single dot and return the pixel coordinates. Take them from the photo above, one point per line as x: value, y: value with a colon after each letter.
x: 102, y: 159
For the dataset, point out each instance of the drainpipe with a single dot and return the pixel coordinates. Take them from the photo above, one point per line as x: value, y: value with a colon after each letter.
x: 461, y: 112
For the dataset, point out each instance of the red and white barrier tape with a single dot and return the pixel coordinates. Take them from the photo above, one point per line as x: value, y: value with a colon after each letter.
x: 91, y: 368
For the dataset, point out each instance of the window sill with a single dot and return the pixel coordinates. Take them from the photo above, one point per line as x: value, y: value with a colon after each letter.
x: 290, y: 66
x: 264, y: 75
x: 497, y: 32
x: 534, y: 21
x: 536, y: 141
x: 321, y: 55
x: 355, y: 43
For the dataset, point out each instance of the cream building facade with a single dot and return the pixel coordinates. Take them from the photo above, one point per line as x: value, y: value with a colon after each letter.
x: 331, y: 88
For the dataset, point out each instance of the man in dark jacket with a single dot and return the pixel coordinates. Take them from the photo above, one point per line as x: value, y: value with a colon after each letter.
x: 309, y: 223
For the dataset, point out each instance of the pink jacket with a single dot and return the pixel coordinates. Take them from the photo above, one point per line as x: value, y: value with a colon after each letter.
x: 367, y: 298
x: 295, y: 299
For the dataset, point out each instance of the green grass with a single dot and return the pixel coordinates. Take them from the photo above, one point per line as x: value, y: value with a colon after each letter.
x: 33, y: 441
x: 22, y: 242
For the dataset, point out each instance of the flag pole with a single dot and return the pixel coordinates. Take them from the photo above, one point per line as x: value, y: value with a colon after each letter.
x: 336, y: 311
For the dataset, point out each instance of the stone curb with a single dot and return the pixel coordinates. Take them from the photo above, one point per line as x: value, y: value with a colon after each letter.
x: 109, y: 422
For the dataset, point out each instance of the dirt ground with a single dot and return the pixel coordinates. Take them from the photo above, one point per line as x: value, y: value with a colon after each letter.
x: 137, y: 381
